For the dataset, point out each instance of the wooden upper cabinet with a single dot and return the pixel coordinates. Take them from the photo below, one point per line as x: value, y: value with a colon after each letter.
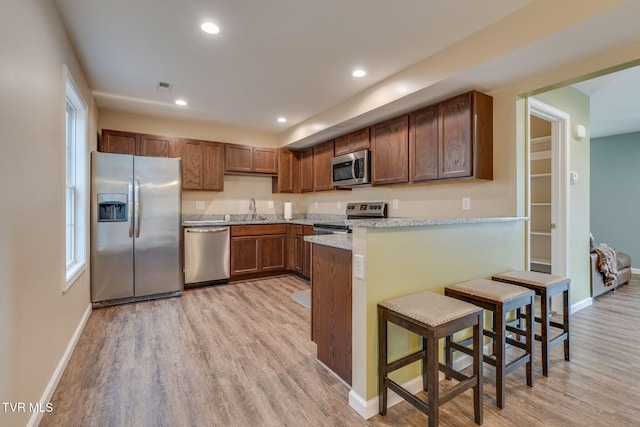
x: 390, y: 151
x: 287, y: 180
x: 119, y: 142
x: 213, y: 166
x: 248, y: 159
x: 202, y: 165
x: 322, y: 155
x: 139, y: 144
x: 192, y: 174
x: 238, y: 158
x: 466, y: 137
x: 265, y: 160
x: 155, y: 146
x: 423, y: 144
x: 306, y: 170
x: 354, y: 141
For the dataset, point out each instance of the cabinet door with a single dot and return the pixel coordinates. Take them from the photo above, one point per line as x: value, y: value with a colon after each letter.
x: 455, y: 143
x: 192, y: 174
x: 118, y: 142
x: 322, y: 155
x: 423, y: 144
x: 245, y: 255
x: 298, y: 253
x: 265, y: 160
x: 154, y: 145
x: 306, y: 170
x: 272, y: 252
x: 355, y: 141
x: 238, y: 158
x: 286, y: 171
x: 390, y: 151
x: 212, y: 165
x: 306, y: 254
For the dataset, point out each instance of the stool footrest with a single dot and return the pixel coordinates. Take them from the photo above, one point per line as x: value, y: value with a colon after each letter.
x: 418, y: 403
x: 406, y: 360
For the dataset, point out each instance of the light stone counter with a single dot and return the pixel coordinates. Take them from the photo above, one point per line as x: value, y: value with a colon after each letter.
x: 421, y: 222
x: 340, y: 241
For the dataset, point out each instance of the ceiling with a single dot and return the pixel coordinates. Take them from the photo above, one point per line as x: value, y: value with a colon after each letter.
x: 294, y: 58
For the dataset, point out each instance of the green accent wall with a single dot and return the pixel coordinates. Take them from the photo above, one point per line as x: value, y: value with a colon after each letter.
x: 401, y: 261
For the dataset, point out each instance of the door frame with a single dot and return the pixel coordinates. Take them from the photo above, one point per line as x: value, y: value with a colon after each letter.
x: 560, y: 138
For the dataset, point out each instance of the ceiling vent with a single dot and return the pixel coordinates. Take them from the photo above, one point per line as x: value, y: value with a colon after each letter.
x: 164, y: 86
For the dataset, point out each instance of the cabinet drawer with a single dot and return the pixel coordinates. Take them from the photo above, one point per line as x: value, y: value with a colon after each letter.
x: 296, y: 229
x: 258, y: 230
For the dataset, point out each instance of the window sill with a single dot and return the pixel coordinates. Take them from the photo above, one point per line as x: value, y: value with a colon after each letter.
x: 73, y: 273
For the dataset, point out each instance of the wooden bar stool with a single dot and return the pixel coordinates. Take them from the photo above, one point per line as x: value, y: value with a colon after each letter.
x: 499, y: 298
x: 546, y: 285
x: 432, y: 316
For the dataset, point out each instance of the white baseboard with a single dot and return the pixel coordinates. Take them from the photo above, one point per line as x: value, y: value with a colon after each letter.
x: 581, y: 304
x: 369, y: 408
x: 57, y: 374
x: 635, y: 271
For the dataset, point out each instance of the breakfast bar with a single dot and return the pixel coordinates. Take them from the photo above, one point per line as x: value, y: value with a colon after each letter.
x: 393, y: 257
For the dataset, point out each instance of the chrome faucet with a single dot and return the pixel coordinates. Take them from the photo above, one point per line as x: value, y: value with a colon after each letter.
x: 252, y: 209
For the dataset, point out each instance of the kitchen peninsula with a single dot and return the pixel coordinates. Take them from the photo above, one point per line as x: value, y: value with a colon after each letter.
x: 403, y: 256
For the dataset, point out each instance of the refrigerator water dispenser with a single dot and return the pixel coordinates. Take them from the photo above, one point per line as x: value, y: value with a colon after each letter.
x: 112, y: 207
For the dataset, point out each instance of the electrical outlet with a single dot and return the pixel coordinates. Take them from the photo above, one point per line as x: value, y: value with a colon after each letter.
x: 315, y: 204
x: 394, y: 203
x: 338, y: 204
x: 199, y: 204
x: 466, y: 203
x: 270, y: 204
x: 358, y: 266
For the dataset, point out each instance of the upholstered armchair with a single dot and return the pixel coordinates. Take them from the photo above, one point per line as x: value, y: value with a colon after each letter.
x: 598, y: 281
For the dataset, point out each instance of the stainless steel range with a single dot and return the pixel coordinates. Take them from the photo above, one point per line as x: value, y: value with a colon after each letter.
x: 355, y: 210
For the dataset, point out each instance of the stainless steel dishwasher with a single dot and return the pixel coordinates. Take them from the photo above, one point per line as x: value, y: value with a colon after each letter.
x: 206, y: 255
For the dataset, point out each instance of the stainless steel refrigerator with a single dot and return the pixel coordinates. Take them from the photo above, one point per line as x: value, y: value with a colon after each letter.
x: 135, y: 228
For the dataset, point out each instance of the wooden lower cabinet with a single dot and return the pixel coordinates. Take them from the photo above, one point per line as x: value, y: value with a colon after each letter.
x: 258, y: 250
x: 331, y: 311
x: 300, y: 250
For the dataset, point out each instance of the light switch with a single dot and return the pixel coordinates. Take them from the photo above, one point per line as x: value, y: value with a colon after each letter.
x: 199, y: 204
x: 394, y: 203
x: 338, y: 204
x: 358, y: 266
x: 466, y: 203
x: 270, y: 204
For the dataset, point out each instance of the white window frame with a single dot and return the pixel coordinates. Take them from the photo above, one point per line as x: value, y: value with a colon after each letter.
x: 76, y: 182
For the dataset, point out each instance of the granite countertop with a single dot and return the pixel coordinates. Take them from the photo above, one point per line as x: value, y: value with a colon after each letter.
x: 421, y: 222
x: 218, y: 220
x: 340, y: 241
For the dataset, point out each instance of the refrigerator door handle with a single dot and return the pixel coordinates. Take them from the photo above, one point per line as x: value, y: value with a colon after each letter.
x: 129, y: 202
x: 136, y: 212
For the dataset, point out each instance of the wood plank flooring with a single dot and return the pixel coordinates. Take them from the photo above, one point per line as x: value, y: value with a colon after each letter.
x: 240, y: 355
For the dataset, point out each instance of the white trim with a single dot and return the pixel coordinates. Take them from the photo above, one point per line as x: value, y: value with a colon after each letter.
x: 369, y: 408
x: 36, y: 417
x: 581, y: 304
x: 635, y: 270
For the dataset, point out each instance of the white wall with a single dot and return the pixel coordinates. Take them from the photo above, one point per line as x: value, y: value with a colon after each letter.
x: 37, y: 320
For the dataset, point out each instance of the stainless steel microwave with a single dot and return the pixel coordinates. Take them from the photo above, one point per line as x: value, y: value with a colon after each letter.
x: 351, y: 169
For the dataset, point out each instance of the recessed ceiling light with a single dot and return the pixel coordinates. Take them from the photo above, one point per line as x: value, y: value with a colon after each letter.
x: 282, y: 119
x: 181, y: 102
x: 359, y: 73
x: 210, y: 28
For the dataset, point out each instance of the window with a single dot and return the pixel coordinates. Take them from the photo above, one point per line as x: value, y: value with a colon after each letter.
x: 75, y: 182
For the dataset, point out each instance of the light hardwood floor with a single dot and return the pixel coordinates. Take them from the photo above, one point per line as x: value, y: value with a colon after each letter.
x: 240, y: 355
